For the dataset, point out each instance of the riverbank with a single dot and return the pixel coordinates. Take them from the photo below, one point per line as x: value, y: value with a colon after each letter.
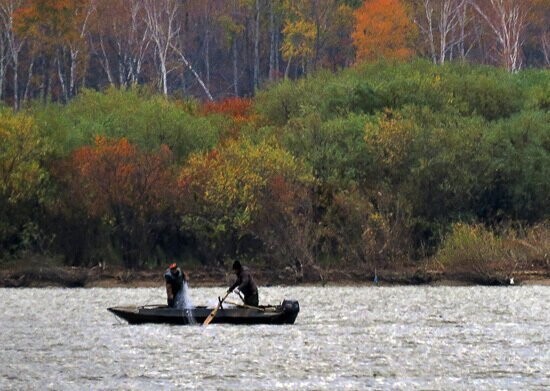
x: 39, y: 276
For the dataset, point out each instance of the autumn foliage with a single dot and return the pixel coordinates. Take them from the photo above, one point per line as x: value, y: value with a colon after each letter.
x: 125, y: 188
x: 370, y: 167
x: 111, y: 173
x: 237, y: 108
x: 238, y: 191
x: 382, y: 30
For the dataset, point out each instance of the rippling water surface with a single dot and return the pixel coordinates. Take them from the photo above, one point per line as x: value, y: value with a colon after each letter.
x: 344, y: 338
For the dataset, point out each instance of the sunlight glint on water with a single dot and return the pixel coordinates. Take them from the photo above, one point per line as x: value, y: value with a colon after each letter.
x: 459, y: 338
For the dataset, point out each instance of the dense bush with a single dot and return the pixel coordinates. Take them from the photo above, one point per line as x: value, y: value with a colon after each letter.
x: 149, y: 121
x: 24, y: 183
x: 334, y: 149
x: 516, y: 181
x: 469, y: 90
x: 473, y: 251
x: 225, y: 194
x: 372, y: 166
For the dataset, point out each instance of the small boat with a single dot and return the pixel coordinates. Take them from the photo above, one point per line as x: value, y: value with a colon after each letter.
x: 284, y: 313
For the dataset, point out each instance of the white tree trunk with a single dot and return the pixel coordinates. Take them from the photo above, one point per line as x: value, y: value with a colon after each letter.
x: 160, y: 18
x: 448, y: 23
x: 256, y: 77
x: 3, y: 62
x: 104, y: 62
x: 442, y: 17
x: 207, y: 44
x: 14, y: 44
x: 545, y: 41
x: 74, y: 51
x: 61, y: 77
x: 72, y: 71
x: 507, y: 21
x: 428, y: 10
x: 187, y: 64
x: 30, y: 73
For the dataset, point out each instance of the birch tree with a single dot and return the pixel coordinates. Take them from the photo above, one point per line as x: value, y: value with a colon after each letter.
x: 13, y: 45
x: 120, y: 33
x: 442, y: 23
x: 507, y: 20
x: 232, y: 28
x: 545, y: 41
x: 160, y: 17
x: 76, y: 46
x: 3, y: 61
x: 177, y: 45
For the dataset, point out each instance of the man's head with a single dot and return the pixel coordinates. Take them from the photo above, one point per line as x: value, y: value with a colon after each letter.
x: 237, y: 266
x: 173, y: 268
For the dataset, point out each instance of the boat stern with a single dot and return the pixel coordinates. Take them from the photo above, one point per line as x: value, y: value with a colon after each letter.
x: 290, y: 309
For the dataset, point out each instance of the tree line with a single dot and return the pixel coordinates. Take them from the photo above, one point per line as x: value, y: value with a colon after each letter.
x: 377, y: 165
x: 212, y: 49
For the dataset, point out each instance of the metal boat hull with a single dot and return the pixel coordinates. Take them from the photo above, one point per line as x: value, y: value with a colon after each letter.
x: 285, y: 313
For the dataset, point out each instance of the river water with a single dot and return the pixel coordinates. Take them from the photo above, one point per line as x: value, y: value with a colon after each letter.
x: 437, y: 338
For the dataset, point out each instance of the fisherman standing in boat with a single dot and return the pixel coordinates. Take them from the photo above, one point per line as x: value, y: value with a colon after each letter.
x: 246, y: 284
x: 174, y: 278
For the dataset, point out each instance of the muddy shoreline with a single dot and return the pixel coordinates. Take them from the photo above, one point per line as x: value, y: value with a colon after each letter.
x: 73, y: 277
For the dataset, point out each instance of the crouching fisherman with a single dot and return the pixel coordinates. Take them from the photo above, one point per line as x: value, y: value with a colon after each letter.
x: 246, y: 284
x: 174, y: 278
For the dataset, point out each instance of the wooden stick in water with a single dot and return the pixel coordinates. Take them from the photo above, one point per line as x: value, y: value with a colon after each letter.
x: 210, y: 317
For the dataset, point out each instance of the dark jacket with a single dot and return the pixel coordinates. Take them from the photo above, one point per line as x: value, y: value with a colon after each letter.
x: 175, y: 280
x: 245, y: 283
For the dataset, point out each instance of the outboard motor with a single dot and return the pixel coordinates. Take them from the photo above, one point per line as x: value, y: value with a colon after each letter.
x: 291, y: 306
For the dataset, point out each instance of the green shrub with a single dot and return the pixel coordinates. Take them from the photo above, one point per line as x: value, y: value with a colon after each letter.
x: 517, y: 179
x: 146, y: 120
x: 334, y: 149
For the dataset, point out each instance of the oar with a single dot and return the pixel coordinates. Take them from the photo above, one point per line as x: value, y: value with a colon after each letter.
x: 241, y: 296
x: 210, y: 317
x: 262, y: 309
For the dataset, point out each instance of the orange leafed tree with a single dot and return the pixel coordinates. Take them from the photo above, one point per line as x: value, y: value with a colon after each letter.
x: 382, y: 30
x: 126, y: 188
x: 114, y: 172
x: 238, y: 108
x: 59, y: 30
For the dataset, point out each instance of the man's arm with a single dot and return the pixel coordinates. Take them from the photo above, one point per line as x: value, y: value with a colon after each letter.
x: 236, y: 284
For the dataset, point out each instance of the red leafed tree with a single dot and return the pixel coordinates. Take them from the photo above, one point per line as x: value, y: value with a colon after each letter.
x: 382, y: 30
x: 126, y: 188
x: 238, y: 108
